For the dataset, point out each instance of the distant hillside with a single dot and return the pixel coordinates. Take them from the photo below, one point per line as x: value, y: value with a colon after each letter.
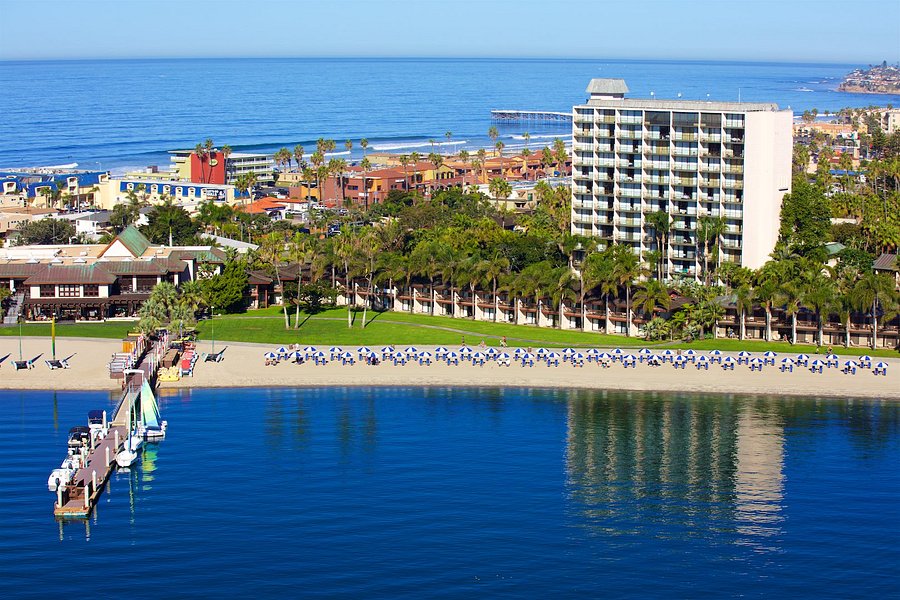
x: 884, y: 79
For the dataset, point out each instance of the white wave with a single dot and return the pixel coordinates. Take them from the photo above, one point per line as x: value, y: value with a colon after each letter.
x: 344, y: 153
x: 538, y: 137
x: 402, y: 145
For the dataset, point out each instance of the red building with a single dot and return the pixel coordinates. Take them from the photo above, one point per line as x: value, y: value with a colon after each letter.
x: 208, y: 168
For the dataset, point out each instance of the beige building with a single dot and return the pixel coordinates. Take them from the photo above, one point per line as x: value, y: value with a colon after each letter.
x: 634, y: 157
x: 156, y: 190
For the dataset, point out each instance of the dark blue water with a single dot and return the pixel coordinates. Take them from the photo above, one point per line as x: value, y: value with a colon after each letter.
x: 120, y: 114
x: 452, y: 493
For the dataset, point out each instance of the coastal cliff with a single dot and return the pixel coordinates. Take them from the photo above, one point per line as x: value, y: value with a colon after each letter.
x: 884, y: 79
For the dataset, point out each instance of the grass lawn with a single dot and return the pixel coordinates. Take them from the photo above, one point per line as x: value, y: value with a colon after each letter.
x: 403, y: 329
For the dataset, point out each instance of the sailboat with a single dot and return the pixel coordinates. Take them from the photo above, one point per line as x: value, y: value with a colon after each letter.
x: 127, y: 456
x: 151, y: 427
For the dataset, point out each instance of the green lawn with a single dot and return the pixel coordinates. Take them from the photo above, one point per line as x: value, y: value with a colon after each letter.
x: 330, y: 328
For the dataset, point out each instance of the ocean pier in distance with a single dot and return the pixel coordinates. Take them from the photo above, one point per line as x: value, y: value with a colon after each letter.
x: 530, y: 115
x: 78, y: 498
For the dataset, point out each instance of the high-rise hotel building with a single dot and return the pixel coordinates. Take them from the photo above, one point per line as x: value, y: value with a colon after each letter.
x: 633, y: 157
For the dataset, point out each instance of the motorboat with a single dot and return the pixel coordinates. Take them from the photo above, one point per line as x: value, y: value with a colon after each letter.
x: 97, y: 423
x: 59, y: 477
x: 126, y: 457
x: 73, y: 462
x: 78, y: 436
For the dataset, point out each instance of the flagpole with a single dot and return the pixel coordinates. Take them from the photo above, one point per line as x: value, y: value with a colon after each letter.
x: 20, y: 341
x: 53, y: 336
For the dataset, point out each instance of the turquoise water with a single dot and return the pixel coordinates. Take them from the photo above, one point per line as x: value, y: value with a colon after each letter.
x: 421, y: 493
x: 129, y: 113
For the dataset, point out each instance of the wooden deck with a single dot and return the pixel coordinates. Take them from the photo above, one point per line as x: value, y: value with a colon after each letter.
x: 79, y: 497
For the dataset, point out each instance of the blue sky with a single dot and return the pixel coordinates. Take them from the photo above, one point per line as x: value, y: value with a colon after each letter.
x: 851, y: 31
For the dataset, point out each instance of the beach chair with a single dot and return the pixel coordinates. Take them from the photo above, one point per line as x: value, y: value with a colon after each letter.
x: 787, y: 365
x: 849, y: 368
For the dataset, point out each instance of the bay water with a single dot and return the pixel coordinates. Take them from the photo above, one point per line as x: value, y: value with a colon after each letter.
x: 448, y: 492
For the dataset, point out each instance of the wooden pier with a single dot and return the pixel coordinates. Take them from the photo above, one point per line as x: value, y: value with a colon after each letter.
x: 531, y: 115
x: 78, y: 498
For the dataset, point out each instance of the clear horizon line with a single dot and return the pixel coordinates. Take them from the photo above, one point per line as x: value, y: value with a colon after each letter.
x: 443, y: 57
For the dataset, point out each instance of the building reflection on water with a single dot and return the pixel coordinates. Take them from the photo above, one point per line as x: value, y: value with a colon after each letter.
x: 676, y: 466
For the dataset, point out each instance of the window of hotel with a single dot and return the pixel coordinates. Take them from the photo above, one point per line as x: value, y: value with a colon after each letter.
x: 129, y: 186
x: 69, y: 291
x: 656, y: 117
x: 48, y: 291
x: 685, y: 119
x: 154, y: 188
x: 166, y: 189
x: 91, y: 291
x: 711, y: 119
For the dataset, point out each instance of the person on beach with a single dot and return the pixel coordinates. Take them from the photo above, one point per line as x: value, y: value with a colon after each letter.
x: 503, y: 342
x: 463, y: 343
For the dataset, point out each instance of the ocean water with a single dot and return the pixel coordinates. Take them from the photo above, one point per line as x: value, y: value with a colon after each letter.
x: 449, y: 493
x: 125, y: 114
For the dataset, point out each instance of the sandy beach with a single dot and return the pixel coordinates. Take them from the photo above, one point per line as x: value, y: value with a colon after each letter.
x: 244, y: 366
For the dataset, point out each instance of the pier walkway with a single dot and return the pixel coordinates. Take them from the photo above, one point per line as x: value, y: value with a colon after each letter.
x: 530, y: 115
x: 79, y: 497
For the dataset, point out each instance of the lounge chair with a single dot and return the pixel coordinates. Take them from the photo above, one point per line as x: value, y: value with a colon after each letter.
x: 57, y: 364
x: 27, y: 364
x: 216, y: 356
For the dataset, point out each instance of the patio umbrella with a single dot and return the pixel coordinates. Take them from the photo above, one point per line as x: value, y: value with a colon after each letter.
x: 424, y: 354
x: 690, y: 352
x: 881, y: 365
x: 465, y: 351
x: 592, y: 351
x: 318, y: 353
x: 478, y: 356
x: 702, y: 359
x: 604, y: 356
x: 364, y: 350
x: 519, y: 352
x: 541, y: 352
x: 769, y: 354
x: 491, y: 352
x: 618, y: 352
x: 440, y: 351
x: 864, y: 359
x: 802, y: 357
x: 728, y: 360
x: 850, y: 364
x: 743, y: 354
x: 335, y: 350
x: 270, y: 355
x: 716, y: 353
x: 503, y: 356
x: 411, y: 350
x: 667, y: 352
x: 452, y: 354
x: 787, y: 361
x: 645, y: 351
x: 577, y: 356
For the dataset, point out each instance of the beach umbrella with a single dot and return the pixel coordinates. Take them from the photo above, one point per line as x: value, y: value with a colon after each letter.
x: 567, y: 353
x: 850, y: 364
x: 309, y: 349
x: 702, y: 359
x: 618, y: 352
x: 370, y: 355
x: 424, y: 354
x: 345, y: 355
x: 465, y: 351
x: 452, y: 354
x: 519, y: 352
x: 802, y: 357
x: 297, y: 354
x: 411, y: 350
x: 787, y: 361
x: 592, y: 351
x: 335, y: 350
x: 540, y: 352
x: 270, y: 355
x: 756, y: 360
x: 690, y: 352
x: 318, y: 353
x: 728, y: 360
x: 604, y: 356
x: 645, y: 351
x: 364, y: 350
x: 769, y: 354
x: 491, y: 352
x: 440, y: 351
x: 865, y: 360
x: 478, y: 356
x: 578, y: 356
x: 527, y: 356
x: 716, y: 353
x: 743, y: 354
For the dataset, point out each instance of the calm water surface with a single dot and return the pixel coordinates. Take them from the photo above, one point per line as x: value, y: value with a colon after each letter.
x: 418, y: 493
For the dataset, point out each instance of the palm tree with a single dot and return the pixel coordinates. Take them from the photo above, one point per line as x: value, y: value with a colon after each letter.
x: 627, y: 269
x: 364, y: 144
x: 791, y: 294
x: 499, y: 188
x: 345, y: 253
x: 200, y: 151
x: 563, y: 282
x: 365, y: 164
x: 464, y: 159
x: 448, y: 135
x: 874, y: 291
x: 743, y: 302
x: 451, y: 266
x: 472, y: 272
x: 414, y: 159
x: 404, y: 161
x: 765, y: 294
x: 437, y: 160
x: 527, y: 137
x: 272, y: 248
x: 424, y: 261
x: 821, y: 295
x: 492, y: 268
x: 482, y: 158
x: 299, y: 250
x: 298, y: 155
x: 493, y: 133
x: 500, y: 146
x: 560, y: 155
x: 651, y: 294
x: 368, y: 251
x: 245, y: 182
x: 709, y: 231
x: 226, y: 154
x: 662, y: 225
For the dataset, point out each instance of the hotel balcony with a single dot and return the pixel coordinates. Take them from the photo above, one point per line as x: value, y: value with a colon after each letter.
x: 685, y: 137
x: 625, y: 222
x: 733, y: 184
x: 605, y: 120
x: 708, y: 168
x: 657, y: 180
x: 684, y: 151
x: 710, y: 137
x: 628, y: 207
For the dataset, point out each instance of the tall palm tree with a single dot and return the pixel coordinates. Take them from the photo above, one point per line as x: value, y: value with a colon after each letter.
x: 560, y: 155
x: 451, y: 267
x: 404, y: 161
x: 272, y: 249
x: 471, y: 273
x: 791, y: 293
x: 710, y: 229
x: 364, y: 144
x: 300, y: 251
x: 743, y: 302
x: 627, y: 269
x: 563, y: 282
x: 662, y: 225
x: 424, y: 261
x: 365, y: 164
x: 482, y: 158
x: 345, y: 252
x: 499, y: 188
x: 527, y: 137
x: 368, y: 250
x: 437, y: 160
x: 820, y: 295
x: 493, y: 268
x: 765, y: 294
x: 493, y: 133
x: 873, y: 292
x: 200, y: 151
x: 464, y: 159
x: 499, y: 146
x: 414, y: 159
x: 299, y: 151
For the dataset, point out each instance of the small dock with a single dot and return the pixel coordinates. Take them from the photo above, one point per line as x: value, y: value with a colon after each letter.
x: 531, y: 115
x: 79, y: 497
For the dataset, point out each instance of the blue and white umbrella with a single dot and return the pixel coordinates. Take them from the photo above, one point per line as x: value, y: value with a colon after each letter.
x: 424, y: 354
x: 270, y: 355
x: 690, y: 352
x: 541, y: 352
x: 335, y: 350
x: 769, y: 354
x: 743, y: 354
x: 465, y: 351
x: 568, y: 352
x: 618, y: 352
x: 787, y: 361
x: 702, y: 359
x: 364, y: 350
x: 850, y: 364
x: 453, y: 355
x: 503, y: 357
x: 604, y: 356
x: 411, y: 350
x: 519, y: 352
x: 440, y: 352
x: 478, y: 357
x: 309, y: 349
x: 645, y: 351
x: 491, y: 352
x: 716, y: 353
x: 577, y: 356
x: 593, y: 351
x: 865, y: 361
x: 728, y: 360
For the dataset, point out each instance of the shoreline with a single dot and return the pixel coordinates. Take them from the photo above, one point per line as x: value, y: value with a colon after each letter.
x: 244, y: 367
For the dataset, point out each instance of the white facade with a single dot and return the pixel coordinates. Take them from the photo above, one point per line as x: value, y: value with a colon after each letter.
x: 634, y: 157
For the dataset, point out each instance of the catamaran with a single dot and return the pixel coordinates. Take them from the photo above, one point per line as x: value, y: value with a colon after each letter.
x: 128, y: 454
